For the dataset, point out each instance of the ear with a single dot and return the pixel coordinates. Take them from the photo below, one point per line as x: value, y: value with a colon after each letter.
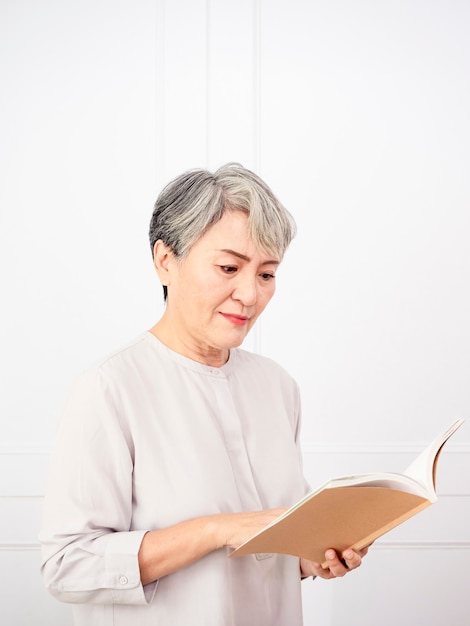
x: 162, y: 257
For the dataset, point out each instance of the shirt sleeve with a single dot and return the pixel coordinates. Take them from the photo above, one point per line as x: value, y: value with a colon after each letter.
x: 90, y: 555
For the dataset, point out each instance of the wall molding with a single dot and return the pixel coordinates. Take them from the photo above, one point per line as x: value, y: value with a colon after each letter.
x: 422, y: 545
x: 20, y: 546
x: 378, y: 448
x: 7, y: 449
x: 28, y: 546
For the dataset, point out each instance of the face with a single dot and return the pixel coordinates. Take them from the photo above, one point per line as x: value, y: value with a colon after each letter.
x: 216, y: 292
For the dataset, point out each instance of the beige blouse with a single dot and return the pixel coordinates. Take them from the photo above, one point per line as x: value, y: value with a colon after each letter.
x: 150, y: 438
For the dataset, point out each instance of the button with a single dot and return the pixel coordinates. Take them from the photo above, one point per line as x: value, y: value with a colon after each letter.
x: 123, y: 580
x: 263, y: 555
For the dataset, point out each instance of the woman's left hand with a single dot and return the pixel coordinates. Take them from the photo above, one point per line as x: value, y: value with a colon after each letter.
x: 337, y: 566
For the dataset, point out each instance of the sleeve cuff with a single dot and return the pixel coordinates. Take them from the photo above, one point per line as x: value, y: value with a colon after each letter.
x: 122, y: 568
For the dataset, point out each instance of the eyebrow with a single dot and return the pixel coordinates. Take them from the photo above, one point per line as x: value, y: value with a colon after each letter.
x: 247, y: 258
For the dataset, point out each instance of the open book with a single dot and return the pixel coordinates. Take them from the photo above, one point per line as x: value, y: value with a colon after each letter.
x: 352, y: 511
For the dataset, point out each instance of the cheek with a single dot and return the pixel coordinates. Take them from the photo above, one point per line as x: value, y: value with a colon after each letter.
x: 265, y: 297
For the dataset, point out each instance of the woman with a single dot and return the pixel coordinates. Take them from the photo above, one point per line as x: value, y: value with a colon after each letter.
x: 179, y: 447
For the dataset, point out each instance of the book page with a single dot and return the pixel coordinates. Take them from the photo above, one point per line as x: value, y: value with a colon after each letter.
x: 399, y: 482
x: 388, y: 480
x: 423, y: 468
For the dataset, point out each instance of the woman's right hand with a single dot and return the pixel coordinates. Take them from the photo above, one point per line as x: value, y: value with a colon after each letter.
x: 167, y: 550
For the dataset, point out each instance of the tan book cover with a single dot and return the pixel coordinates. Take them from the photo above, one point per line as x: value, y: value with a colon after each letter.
x: 352, y: 511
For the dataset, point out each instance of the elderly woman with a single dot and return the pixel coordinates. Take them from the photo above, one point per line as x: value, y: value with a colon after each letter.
x: 179, y: 446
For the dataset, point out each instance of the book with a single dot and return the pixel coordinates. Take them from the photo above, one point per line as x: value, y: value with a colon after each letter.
x: 352, y: 511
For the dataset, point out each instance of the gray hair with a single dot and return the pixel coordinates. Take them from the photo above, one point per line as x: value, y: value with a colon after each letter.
x: 194, y: 201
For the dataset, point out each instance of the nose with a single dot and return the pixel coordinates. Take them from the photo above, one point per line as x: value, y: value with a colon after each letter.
x: 245, y: 290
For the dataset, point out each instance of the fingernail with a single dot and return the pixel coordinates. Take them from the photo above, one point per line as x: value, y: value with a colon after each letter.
x: 330, y: 554
x: 348, y: 554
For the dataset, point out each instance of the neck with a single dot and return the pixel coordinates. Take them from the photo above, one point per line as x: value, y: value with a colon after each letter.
x: 207, y: 355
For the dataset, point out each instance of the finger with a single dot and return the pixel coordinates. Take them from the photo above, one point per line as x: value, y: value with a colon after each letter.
x: 323, y: 572
x: 336, y: 565
x: 310, y: 568
x: 352, y: 559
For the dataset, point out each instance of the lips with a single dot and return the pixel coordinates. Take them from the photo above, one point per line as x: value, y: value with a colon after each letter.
x: 236, y: 320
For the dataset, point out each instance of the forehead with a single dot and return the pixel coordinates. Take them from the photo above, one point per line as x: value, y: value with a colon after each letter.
x: 230, y: 222
x: 231, y: 235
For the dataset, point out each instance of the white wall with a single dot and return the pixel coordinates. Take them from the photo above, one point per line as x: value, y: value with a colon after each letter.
x: 356, y: 114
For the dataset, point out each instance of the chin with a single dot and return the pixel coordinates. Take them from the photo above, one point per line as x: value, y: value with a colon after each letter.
x: 234, y: 342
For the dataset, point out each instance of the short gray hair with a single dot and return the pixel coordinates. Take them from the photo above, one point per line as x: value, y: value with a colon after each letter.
x: 194, y: 201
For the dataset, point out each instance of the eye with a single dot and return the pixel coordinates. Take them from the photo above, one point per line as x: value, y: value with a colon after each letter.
x: 228, y: 269
x: 266, y: 276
